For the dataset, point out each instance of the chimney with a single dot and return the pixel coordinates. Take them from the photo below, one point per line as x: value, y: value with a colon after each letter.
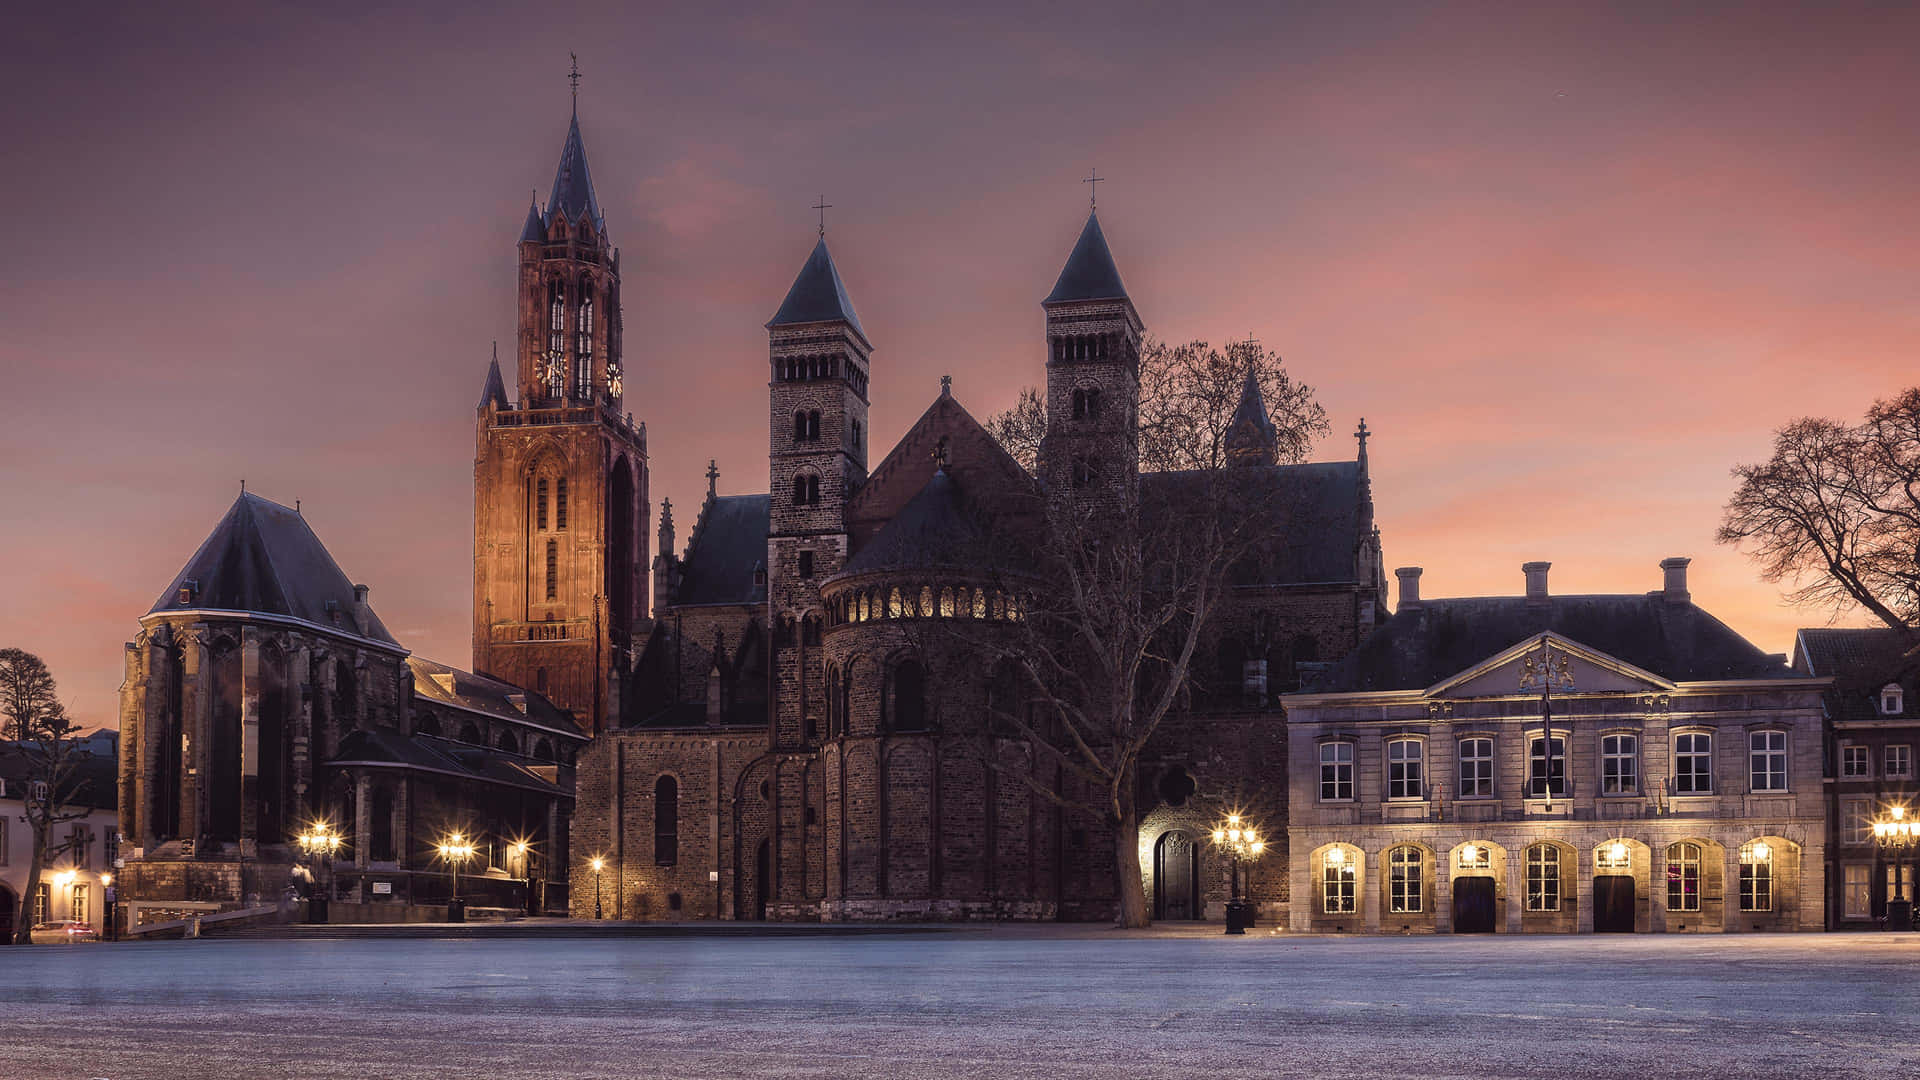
x: 1536, y: 581
x: 1675, y: 587
x: 362, y: 615
x: 1409, y: 587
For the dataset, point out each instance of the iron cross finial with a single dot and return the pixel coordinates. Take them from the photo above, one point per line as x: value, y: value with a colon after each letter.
x: 823, y: 206
x: 573, y: 77
x: 1362, y: 433
x: 1093, y: 178
x: 713, y: 476
x: 946, y: 386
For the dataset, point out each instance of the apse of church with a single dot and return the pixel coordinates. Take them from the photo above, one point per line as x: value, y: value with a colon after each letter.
x: 560, y: 478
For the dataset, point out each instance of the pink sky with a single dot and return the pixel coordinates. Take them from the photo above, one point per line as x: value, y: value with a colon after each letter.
x: 1570, y: 265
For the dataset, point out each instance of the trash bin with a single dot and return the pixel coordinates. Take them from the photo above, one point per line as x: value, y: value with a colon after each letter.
x: 1239, y: 916
x: 1899, y: 914
x: 456, y: 911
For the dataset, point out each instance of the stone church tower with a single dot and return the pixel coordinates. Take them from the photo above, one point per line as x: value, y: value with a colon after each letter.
x: 817, y: 450
x: 1093, y: 378
x: 560, y: 480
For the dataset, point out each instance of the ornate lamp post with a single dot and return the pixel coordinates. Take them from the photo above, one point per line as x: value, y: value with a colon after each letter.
x: 454, y: 851
x: 1894, y: 835
x: 320, y: 842
x: 107, y: 932
x: 598, y: 865
x: 1240, y: 842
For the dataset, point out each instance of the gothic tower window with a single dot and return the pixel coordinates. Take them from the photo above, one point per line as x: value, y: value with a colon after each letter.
x: 556, y: 342
x: 666, y: 821
x: 553, y: 570
x: 583, y: 350
x: 540, y: 504
x: 806, y: 490
x: 560, y: 504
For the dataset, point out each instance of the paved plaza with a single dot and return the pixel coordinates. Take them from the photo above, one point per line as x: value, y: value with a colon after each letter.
x: 1058, y: 1004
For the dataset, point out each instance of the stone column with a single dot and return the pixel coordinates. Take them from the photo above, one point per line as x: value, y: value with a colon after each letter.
x: 300, y: 681
x: 362, y: 819
x: 402, y: 825
x: 1372, y: 867
x: 196, y: 723
x: 1730, y: 912
x: 1583, y: 891
x: 249, y: 742
x: 154, y: 721
x: 1517, y: 888
x: 1442, y: 891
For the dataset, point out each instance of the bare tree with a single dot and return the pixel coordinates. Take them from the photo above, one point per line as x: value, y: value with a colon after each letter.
x: 43, y: 736
x: 1116, y: 599
x: 1836, y: 512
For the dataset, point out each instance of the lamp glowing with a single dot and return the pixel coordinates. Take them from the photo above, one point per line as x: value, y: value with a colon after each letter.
x: 1337, y: 856
x: 598, y: 864
x: 1761, y: 850
x: 1618, y: 851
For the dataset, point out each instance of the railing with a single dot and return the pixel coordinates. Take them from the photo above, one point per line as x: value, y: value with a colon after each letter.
x: 570, y: 414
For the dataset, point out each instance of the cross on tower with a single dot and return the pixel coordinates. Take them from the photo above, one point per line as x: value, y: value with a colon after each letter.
x: 573, y: 77
x: 1093, y: 178
x: 713, y: 477
x: 823, y: 206
x: 1362, y: 435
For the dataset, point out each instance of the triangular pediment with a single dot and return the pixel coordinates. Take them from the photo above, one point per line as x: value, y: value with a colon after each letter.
x: 976, y: 462
x: 1592, y: 671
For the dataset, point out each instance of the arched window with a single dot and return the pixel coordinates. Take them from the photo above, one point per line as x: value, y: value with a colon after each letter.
x: 381, y: 813
x: 1403, y: 880
x: 946, y: 603
x: 813, y: 425
x: 909, y: 697
x: 540, y: 503
x: 509, y: 742
x: 1543, y: 878
x: 806, y: 489
x: 1338, y: 875
x: 810, y: 630
x: 666, y: 821
x: 1085, y: 471
x: 843, y: 709
x: 926, y: 601
x: 1756, y: 876
x: 583, y: 350
x: 425, y: 724
x: 470, y: 733
x: 542, y: 750
x: 1683, y: 877
x: 553, y: 570
x: 560, y: 504
x: 799, y: 426
x: 979, y: 603
x: 557, y: 321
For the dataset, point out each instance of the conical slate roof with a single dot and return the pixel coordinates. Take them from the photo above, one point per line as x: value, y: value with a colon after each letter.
x: 534, y: 230
x: 572, y: 185
x: 1251, y: 427
x: 1090, y: 273
x: 934, y: 530
x: 263, y: 558
x: 495, y: 391
x: 817, y: 295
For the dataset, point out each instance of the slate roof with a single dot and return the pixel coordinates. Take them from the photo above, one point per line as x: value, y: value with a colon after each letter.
x: 534, y: 231
x: 96, y: 778
x: 728, y: 544
x: 1861, y: 660
x: 1315, y: 518
x: 1252, y: 411
x: 464, y: 760
x: 572, y: 185
x: 1416, y: 649
x: 817, y: 295
x: 449, y: 685
x: 263, y: 558
x: 1089, y: 273
x: 936, y: 529
x: 495, y: 391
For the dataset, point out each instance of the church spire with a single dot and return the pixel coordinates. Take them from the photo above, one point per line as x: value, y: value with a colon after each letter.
x: 572, y: 193
x: 494, y: 393
x: 1251, y: 438
x: 1090, y: 273
x: 818, y: 295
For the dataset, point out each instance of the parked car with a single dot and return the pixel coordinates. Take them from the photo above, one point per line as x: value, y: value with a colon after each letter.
x: 64, y: 932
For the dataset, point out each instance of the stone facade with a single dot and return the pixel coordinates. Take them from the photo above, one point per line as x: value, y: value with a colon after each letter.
x: 1684, y: 792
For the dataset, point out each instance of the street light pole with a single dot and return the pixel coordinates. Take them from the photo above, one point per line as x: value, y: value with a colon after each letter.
x: 454, y: 850
x: 319, y: 842
x: 1895, y: 835
x: 1240, y: 842
x: 598, y: 865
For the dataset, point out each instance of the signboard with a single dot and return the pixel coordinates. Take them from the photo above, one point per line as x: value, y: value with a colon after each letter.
x: 382, y: 888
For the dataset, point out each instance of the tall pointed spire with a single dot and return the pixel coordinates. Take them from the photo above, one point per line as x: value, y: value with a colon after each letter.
x: 817, y: 295
x: 1090, y: 273
x: 534, y: 230
x: 494, y: 393
x: 1251, y: 438
x: 572, y: 193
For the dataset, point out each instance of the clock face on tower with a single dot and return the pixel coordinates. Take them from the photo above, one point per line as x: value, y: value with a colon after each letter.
x: 613, y: 379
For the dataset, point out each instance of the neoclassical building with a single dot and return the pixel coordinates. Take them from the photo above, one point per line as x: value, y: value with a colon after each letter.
x: 1557, y: 763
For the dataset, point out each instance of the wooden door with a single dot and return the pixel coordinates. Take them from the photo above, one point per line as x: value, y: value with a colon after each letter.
x: 1613, y: 900
x: 1473, y: 905
x: 1176, y: 878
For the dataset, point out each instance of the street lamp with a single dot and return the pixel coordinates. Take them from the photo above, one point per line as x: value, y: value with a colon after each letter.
x: 1894, y: 836
x: 454, y: 851
x: 598, y: 865
x: 517, y: 854
x: 1240, y: 842
x: 107, y: 910
x: 320, y: 842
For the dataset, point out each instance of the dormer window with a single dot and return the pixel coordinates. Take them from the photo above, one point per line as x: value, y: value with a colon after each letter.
x: 1892, y: 699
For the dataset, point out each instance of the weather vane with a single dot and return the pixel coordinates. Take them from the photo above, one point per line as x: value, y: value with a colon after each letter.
x: 1093, y: 178
x: 823, y: 206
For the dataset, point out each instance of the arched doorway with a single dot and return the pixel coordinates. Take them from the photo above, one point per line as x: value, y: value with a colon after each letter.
x: 1614, y: 895
x: 1176, y: 877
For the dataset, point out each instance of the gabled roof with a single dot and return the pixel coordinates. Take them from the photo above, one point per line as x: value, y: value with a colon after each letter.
x: 1090, y: 273
x: 572, y: 192
x: 94, y: 781
x: 935, y: 530
x: 817, y: 295
x: 976, y: 462
x: 1314, y: 511
x: 463, y: 760
x: 1679, y: 642
x: 263, y: 558
x: 434, y: 681
x: 728, y: 545
x: 1868, y: 652
x: 495, y: 391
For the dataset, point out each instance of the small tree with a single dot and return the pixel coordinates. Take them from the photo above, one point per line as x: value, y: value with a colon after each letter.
x: 43, y: 736
x: 1836, y: 512
x: 1115, y: 603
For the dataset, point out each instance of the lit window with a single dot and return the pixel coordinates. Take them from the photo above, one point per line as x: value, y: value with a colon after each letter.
x: 979, y: 604
x: 1693, y: 764
x: 77, y: 906
x: 1476, y: 768
x: 1543, y: 878
x: 1336, y: 772
x: 926, y: 600
x: 1683, y: 877
x: 1619, y: 764
x: 895, y: 606
x: 1403, y: 769
x: 1768, y: 753
x: 1857, y: 903
x: 946, y: 603
x: 1614, y: 856
x: 1547, y: 766
x: 1858, y: 815
x: 1476, y: 857
x: 1337, y: 878
x: 1899, y: 761
x: 1756, y: 876
x: 1403, y: 880
x: 1855, y: 763
x: 1892, y: 699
